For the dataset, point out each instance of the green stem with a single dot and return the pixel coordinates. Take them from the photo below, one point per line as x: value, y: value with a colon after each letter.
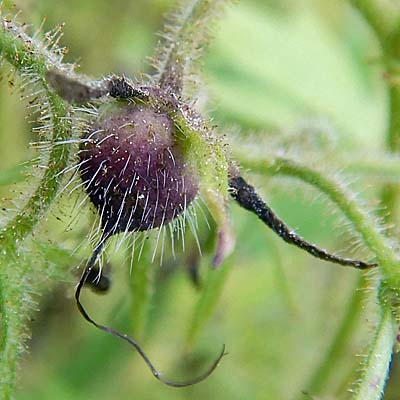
x: 12, y: 291
x: 390, y: 192
x: 14, y: 273
x: 180, y: 54
x: 282, y: 280
x: 376, y: 369
x: 21, y: 54
x: 393, y: 141
x: 141, y: 285
x: 384, y: 19
x: 379, y: 15
x: 328, y: 365
x: 384, y: 167
x: 205, y: 306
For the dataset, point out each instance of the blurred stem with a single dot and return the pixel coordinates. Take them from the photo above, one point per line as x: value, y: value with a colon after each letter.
x: 379, y: 15
x: 140, y: 282
x: 211, y: 293
x: 390, y: 192
x: 14, y: 273
x: 393, y: 142
x: 376, y: 368
x: 386, y: 167
x: 328, y: 365
x: 384, y: 19
x: 282, y: 281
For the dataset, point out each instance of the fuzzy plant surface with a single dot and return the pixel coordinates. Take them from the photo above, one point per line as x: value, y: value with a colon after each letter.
x: 132, y: 177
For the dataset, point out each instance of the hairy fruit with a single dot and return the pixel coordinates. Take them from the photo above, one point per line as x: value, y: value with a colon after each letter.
x: 133, y: 169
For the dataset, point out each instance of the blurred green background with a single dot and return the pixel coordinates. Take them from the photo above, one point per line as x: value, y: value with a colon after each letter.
x: 291, y: 324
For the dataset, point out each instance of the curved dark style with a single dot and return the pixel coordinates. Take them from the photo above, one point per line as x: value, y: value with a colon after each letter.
x: 87, y: 272
x: 246, y: 196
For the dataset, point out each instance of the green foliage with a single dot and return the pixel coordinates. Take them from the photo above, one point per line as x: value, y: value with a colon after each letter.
x: 293, y: 327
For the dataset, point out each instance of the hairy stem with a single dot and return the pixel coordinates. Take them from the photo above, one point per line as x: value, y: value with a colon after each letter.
x: 376, y: 369
x: 14, y: 282
x: 186, y: 38
x: 12, y: 272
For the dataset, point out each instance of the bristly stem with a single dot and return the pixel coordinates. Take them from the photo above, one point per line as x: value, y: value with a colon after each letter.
x: 24, y: 59
x: 12, y: 291
x: 377, y: 364
x: 14, y: 273
x: 186, y: 37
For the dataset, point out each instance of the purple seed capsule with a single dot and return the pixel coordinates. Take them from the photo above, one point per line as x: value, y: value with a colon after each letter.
x: 133, y: 169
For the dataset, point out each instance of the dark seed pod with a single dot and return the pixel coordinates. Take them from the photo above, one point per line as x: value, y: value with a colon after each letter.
x: 133, y: 169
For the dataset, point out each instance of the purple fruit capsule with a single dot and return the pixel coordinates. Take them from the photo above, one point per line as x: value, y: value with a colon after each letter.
x: 133, y: 169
